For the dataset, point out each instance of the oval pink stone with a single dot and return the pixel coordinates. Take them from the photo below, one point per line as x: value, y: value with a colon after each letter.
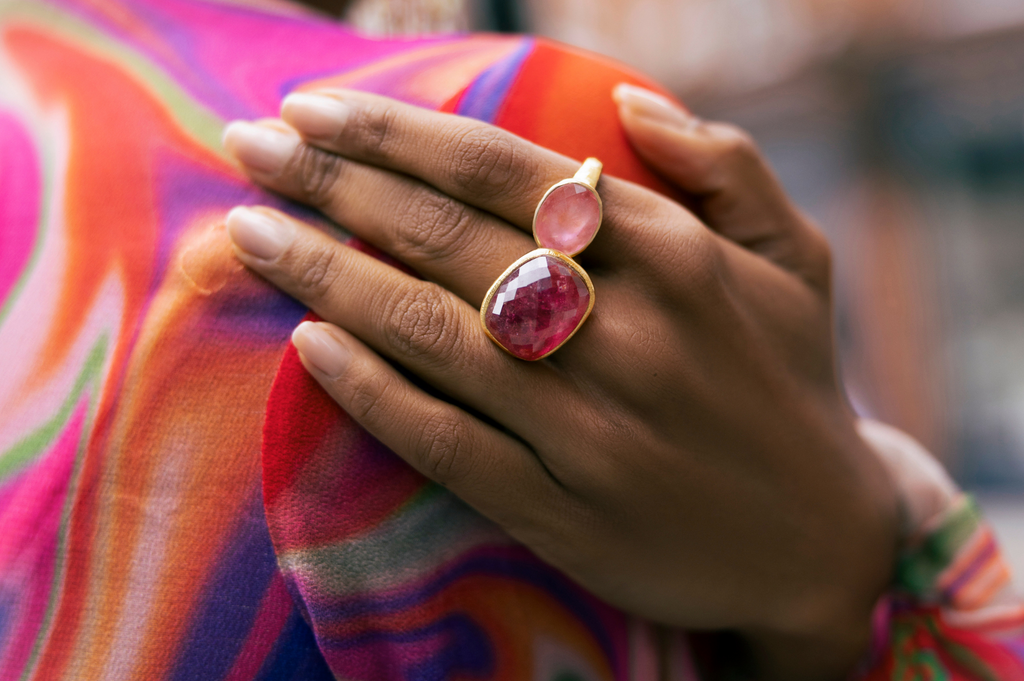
x: 537, y: 307
x: 567, y: 219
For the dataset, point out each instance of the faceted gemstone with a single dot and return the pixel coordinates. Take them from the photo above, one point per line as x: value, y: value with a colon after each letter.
x: 567, y: 219
x: 537, y: 307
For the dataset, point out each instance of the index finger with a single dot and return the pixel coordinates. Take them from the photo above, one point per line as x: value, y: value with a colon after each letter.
x: 474, y: 162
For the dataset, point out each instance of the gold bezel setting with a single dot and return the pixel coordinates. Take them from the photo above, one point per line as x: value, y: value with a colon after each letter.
x: 587, y: 176
x: 537, y: 253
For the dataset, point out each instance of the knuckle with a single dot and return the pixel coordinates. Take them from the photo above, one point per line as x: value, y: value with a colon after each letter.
x: 702, y: 257
x: 375, y: 130
x: 484, y: 162
x: 616, y: 429
x: 318, y: 270
x: 317, y: 172
x: 696, y: 259
x: 648, y: 341
x: 443, y: 445
x: 367, y: 396
x: 435, y: 227
x: 734, y: 151
x: 735, y: 143
x: 423, y: 324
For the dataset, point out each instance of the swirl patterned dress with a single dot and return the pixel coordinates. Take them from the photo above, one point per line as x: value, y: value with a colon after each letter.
x: 178, y: 499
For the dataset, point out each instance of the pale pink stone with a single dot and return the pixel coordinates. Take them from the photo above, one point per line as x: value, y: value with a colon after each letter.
x: 568, y: 218
x: 537, y: 307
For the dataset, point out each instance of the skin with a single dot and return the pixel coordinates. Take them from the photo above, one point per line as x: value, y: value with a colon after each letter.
x: 688, y: 455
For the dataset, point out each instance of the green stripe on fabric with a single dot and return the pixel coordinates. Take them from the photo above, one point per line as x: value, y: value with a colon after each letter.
x: 27, y: 449
x: 60, y: 561
x: 966, y: 658
x: 421, y: 535
x: 92, y: 368
x: 918, y: 569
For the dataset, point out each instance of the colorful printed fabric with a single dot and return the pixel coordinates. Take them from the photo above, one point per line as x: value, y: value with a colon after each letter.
x: 952, y: 613
x: 178, y: 500
x: 138, y: 358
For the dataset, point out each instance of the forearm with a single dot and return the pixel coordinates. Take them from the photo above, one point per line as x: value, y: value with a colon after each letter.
x: 825, y: 629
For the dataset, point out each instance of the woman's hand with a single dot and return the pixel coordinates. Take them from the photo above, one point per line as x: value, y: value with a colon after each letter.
x: 687, y: 455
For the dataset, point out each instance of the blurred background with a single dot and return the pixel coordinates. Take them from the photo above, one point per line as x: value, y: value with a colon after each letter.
x: 897, y: 124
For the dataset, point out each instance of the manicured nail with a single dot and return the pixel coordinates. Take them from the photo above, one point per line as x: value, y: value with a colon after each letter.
x: 261, y: 147
x: 315, y: 116
x: 651, y: 105
x: 321, y: 348
x: 260, y: 235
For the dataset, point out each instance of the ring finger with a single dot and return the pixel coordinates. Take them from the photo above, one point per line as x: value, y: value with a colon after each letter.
x: 458, y: 246
x: 418, y: 324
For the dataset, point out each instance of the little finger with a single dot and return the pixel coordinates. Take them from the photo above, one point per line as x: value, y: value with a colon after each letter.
x: 491, y: 471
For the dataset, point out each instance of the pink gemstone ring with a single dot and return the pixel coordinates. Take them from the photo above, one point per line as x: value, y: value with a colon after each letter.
x: 543, y: 298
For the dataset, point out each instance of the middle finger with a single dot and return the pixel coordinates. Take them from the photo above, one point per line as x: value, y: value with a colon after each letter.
x: 482, y: 166
x: 458, y: 246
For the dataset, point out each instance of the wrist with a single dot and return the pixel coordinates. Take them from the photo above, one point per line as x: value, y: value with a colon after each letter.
x: 822, y: 629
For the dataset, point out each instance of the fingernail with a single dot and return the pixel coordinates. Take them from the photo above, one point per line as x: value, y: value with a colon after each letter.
x: 650, y: 105
x: 260, y: 147
x: 315, y: 116
x: 321, y: 349
x: 259, y: 234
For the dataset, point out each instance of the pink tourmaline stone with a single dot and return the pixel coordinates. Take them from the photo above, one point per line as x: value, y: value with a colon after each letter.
x: 537, y: 307
x: 567, y: 218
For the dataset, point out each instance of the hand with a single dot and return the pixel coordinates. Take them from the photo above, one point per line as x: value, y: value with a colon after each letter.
x: 687, y: 455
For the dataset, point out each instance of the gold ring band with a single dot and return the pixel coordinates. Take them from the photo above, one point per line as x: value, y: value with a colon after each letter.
x: 543, y: 298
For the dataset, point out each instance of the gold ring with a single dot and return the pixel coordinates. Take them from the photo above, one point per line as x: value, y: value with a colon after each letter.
x: 544, y: 297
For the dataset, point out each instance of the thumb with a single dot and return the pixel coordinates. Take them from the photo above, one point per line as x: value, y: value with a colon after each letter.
x: 732, y: 186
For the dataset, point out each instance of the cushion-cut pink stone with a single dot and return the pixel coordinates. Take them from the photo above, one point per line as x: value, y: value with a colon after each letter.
x: 537, y: 307
x: 568, y: 218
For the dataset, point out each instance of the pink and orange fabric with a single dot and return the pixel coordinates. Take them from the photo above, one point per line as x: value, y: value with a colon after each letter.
x: 178, y: 499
